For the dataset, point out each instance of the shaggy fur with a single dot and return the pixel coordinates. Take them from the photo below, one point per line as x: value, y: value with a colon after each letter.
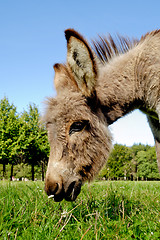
x: 94, y: 89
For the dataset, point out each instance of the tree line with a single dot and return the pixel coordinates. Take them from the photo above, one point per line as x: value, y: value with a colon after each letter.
x: 23, y: 138
x: 24, y: 145
x: 131, y: 163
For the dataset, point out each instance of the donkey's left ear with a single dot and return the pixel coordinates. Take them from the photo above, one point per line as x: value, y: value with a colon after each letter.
x: 81, y: 61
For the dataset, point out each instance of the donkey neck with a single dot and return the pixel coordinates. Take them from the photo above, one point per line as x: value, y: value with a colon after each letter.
x: 117, y: 87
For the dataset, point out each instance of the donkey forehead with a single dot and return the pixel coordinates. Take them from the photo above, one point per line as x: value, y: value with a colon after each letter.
x: 67, y: 107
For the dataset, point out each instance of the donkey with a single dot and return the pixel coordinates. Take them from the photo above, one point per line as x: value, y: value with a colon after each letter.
x: 94, y: 89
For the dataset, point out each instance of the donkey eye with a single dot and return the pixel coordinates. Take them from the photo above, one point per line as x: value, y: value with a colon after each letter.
x: 48, y: 124
x: 78, y: 126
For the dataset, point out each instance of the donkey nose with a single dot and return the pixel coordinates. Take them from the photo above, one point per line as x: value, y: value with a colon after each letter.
x: 54, y: 188
x: 73, y: 190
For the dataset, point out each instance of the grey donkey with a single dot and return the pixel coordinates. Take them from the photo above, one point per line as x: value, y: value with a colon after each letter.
x: 94, y: 89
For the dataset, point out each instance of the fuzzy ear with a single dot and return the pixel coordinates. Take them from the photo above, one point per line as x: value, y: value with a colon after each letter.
x: 63, y: 79
x: 81, y: 61
x: 59, y: 78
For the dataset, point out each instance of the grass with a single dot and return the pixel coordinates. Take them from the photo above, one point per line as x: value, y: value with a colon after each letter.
x: 103, y: 210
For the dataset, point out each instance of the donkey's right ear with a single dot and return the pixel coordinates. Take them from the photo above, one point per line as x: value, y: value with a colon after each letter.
x: 81, y: 62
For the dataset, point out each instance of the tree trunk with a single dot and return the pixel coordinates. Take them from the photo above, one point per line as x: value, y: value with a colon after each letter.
x: 11, y: 172
x: 42, y: 163
x: 32, y: 171
x: 157, y: 144
x: 4, y: 170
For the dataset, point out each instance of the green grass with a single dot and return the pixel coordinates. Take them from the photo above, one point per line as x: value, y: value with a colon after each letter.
x: 103, y: 210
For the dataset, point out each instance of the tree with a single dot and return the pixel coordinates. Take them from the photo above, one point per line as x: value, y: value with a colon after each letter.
x: 119, y: 161
x: 147, y: 164
x: 138, y: 161
x: 23, y: 138
x: 36, y: 145
x: 8, y: 133
x: 43, y: 145
x: 131, y: 162
x: 135, y: 149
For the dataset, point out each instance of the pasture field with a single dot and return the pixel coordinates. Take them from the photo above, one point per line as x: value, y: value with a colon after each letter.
x: 103, y: 210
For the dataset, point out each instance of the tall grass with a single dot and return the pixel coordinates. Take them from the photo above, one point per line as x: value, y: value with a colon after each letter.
x: 103, y: 210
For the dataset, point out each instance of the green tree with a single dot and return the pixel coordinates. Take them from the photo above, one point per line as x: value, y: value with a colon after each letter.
x: 43, y: 148
x: 134, y: 162
x: 9, y: 134
x: 138, y: 161
x: 147, y: 164
x: 119, y: 162
x: 36, y: 145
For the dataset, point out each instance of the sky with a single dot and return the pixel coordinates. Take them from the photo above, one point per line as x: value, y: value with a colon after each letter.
x: 32, y: 41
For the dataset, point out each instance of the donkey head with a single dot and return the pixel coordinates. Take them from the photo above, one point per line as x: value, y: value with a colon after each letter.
x: 77, y: 130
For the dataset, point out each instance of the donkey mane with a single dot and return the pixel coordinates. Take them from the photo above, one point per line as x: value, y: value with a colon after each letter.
x: 108, y: 47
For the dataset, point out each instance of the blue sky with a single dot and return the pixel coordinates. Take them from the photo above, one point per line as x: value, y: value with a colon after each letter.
x: 32, y: 40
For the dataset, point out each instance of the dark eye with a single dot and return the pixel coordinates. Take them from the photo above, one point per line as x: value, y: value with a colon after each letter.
x: 78, y: 126
x: 48, y: 124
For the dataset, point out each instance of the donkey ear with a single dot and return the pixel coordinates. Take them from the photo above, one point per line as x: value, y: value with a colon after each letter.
x: 81, y: 62
x: 59, y: 78
x: 63, y: 79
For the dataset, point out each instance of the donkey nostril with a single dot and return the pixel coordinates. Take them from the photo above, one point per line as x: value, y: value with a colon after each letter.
x: 70, y: 191
x: 56, y: 188
x: 73, y: 190
x: 70, y: 188
x: 51, y: 188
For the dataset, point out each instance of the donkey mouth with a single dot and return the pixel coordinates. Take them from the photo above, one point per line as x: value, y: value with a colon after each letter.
x: 70, y: 194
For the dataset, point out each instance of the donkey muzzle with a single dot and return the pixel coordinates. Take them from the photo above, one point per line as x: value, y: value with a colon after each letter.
x: 59, y: 190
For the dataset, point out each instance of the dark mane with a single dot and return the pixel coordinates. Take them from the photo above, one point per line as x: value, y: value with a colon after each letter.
x: 108, y: 47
